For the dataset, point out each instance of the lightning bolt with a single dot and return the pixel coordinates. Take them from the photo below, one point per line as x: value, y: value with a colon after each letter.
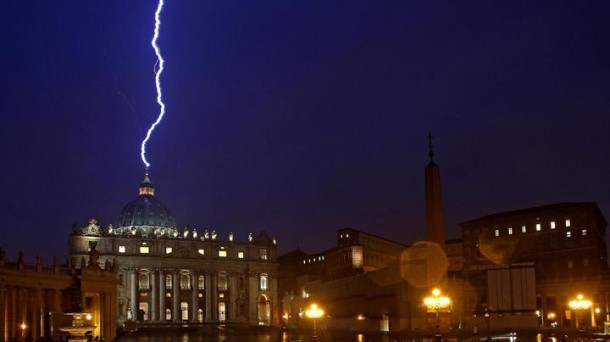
x: 158, y: 70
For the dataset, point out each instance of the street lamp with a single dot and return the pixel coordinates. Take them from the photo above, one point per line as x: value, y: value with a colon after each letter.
x: 580, y: 303
x: 436, y: 303
x: 314, y: 312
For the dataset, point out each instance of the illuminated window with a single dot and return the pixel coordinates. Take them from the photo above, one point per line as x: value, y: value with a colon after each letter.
x: 121, y: 249
x: 200, y: 295
x: 168, y: 281
x: 222, y: 253
x: 143, y: 281
x: 264, y: 281
x: 222, y: 282
x: 346, y: 235
x: 168, y: 250
x: 497, y: 232
x: 568, y: 223
x: 201, y: 282
x: 240, y: 255
x: 185, y: 281
x: 584, y: 232
x: 263, y: 253
x: 168, y: 314
x: 538, y: 227
x: 304, y: 262
x: 523, y: 229
x: 221, y: 295
x: 568, y: 233
x: 510, y: 230
x: 552, y: 224
x: 201, y: 251
x: 144, y: 249
x: 168, y: 295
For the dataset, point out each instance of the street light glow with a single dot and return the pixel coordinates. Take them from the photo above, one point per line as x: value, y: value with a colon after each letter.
x: 314, y: 311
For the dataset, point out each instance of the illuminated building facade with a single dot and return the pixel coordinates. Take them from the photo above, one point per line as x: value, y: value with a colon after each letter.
x: 564, y: 243
x: 166, y: 276
x: 34, y: 299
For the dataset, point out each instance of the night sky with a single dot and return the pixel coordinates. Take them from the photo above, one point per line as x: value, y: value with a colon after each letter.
x: 299, y: 117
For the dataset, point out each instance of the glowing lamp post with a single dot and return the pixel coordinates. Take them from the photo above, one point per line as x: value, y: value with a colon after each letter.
x: 314, y: 312
x: 436, y: 303
x: 579, y: 304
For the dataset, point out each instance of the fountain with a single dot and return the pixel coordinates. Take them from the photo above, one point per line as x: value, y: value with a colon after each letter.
x: 78, y: 329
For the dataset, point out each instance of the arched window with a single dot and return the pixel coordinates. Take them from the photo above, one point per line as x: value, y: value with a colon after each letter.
x: 168, y: 314
x: 168, y: 282
x: 222, y: 282
x: 143, y: 281
x: 200, y: 315
x: 201, y: 282
x: 264, y: 281
x: 185, y: 281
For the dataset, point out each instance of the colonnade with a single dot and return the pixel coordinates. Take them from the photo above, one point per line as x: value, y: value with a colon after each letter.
x: 26, y: 311
x: 209, y: 298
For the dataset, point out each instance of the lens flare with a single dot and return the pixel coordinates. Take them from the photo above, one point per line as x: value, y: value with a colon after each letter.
x: 158, y: 70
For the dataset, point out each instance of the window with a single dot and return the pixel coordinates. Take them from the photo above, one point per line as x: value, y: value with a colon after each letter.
x: 144, y: 284
x: 584, y: 232
x: 168, y: 295
x: 538, y: 227
x: 121, y: 249
x: 168, y: 314
x: 510, y: 230
x: 240, y: 255
x: 185, y: 281
x: 168, y: 282
x: 201, y: 251
x: 92, y: 245
x: 222, y: 282
x: 568, y: 223
x: 568, y: 234
x: 263, y: 253
x: 222, y: 253
x: 168, y: 250
x: 497, y: 232
x: 144, y: 249
x: 523, y: 229
x: 201, y: 282
x: 264, y: 281
x: 221, y: 295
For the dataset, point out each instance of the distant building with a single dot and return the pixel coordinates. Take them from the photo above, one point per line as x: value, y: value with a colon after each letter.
x: 564, y: 242
x: 39, y: 301
x: 510, y: 270
x: 166, y: 276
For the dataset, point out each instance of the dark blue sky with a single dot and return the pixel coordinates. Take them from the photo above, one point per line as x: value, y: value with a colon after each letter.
x: 299, y: 117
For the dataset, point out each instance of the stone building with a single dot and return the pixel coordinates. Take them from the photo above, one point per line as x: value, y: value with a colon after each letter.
x: 39, y: 301
x: 166, y: 276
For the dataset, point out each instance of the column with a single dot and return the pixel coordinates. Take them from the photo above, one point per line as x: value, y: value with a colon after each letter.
x: 194, y: 304
x: 214, y: 295
x: 176, y: 314
x: 232, y: 296
x: 154, y: 294
x: 3, y: 310
x: 161, y: 296
x: 11, y: 324
x: 36, y: 317
x: 208, y: 298
x: 20, y: 311
x: 133, y: 294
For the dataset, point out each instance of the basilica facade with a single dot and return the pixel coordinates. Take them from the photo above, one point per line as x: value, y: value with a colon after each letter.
x: 169, y: 276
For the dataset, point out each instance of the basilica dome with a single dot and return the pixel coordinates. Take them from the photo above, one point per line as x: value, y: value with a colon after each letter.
x: 145, y: 215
